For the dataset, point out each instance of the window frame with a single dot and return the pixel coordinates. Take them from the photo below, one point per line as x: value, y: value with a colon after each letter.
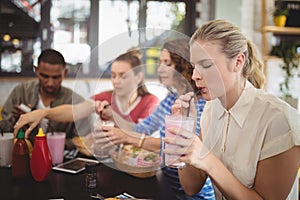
x: 93, y: 36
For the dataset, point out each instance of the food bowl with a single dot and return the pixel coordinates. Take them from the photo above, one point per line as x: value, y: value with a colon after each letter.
x: 137, y: 162
x: 140, y: 172
x: 84, y: 144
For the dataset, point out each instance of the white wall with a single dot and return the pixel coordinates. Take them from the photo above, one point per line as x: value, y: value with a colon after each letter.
x: 230, y: 10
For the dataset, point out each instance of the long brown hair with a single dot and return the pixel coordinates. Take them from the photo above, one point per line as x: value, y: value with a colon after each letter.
x: 233, y: 42
x: 133, y: 57
x: 180, y: 55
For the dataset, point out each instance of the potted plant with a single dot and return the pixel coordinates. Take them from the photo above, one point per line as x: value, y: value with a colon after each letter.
x: 280, y: 14
x: 287, y: 50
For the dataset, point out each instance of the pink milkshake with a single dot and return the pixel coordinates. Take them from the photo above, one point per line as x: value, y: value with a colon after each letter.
x: 56, y: 144
x: 175, y: 121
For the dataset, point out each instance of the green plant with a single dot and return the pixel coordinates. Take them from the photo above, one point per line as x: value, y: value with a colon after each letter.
x: 280, y: 12
x: 280, y: 9
x: 287, y: 50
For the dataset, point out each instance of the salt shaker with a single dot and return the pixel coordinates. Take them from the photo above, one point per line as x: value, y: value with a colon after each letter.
x: 91, y: 175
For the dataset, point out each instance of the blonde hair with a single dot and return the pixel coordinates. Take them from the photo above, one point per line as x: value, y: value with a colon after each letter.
x: 233, y: 42
x: 135, y: 52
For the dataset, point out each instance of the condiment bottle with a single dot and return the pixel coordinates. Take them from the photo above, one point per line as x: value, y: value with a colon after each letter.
x: 91, y: 175
x: 20, y: 157
x: 41, y: 162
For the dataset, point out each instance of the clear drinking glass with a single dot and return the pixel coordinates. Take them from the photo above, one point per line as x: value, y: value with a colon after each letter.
x: 176, y: 121
x: 100, y: 140
x: 56, y: 144
x: 6, y: 149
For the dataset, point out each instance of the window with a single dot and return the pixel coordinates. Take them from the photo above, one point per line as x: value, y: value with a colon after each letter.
x: 70, y: 31
x: 129, y: 16
x: 73, y: 31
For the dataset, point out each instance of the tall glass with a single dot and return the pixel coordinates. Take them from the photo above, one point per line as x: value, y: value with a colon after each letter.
x: 56, y: 144
x: 100, y: 140
x: 6, y: 149
x: 178, y: 122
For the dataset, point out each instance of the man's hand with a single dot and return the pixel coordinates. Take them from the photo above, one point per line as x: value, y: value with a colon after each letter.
x: 32, y: 119
x: 19, y: 110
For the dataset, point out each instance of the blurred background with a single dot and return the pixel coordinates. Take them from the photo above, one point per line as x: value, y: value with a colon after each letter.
x: 78, y: 29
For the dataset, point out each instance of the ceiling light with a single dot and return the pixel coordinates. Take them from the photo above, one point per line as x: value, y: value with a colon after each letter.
x: 6, y: 37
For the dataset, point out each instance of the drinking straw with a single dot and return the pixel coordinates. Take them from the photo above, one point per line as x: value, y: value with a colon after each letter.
x: 51, y: 129
x: 2, y: 133
x: 3, y: 123
x: 189, y: 107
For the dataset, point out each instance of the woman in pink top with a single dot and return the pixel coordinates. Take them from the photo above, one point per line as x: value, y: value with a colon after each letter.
x: 130, y: 97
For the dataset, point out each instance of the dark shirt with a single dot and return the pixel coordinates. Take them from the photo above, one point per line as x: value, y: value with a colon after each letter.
x: 28, y: 93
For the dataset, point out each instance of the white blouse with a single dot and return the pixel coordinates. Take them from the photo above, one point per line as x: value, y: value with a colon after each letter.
x: 257, y: 127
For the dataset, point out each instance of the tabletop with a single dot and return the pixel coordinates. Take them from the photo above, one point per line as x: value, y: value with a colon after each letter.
x: 62, y: 185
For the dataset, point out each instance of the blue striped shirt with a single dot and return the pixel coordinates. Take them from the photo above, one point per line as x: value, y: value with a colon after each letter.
x: 155, y: 122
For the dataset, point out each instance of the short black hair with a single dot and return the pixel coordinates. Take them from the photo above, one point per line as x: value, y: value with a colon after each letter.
x: 51, y: 56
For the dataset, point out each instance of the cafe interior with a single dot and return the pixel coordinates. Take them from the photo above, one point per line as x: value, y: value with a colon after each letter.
x: 90, y: 34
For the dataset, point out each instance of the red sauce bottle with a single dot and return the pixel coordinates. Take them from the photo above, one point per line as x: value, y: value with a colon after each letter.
x: 41, y: 162
x: 20, y: 157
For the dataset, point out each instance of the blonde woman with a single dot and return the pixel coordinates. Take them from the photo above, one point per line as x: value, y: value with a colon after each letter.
x: 249, y: 144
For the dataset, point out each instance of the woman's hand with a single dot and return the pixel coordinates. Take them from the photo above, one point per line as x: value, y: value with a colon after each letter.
x: 103, y: 109
x: 110, y: 135
x: 32, y: 119
x: 181, y: 105
x: 190, y: 148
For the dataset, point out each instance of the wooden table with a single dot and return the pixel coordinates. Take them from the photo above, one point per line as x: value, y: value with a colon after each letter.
x: 62, y: 185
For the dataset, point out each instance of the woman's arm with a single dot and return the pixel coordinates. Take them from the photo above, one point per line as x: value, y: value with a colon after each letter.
x: 199, y: 163
x: 191, y: 179
x: 150, y: 143
x: 119, y: 136
x: 274, y: 177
